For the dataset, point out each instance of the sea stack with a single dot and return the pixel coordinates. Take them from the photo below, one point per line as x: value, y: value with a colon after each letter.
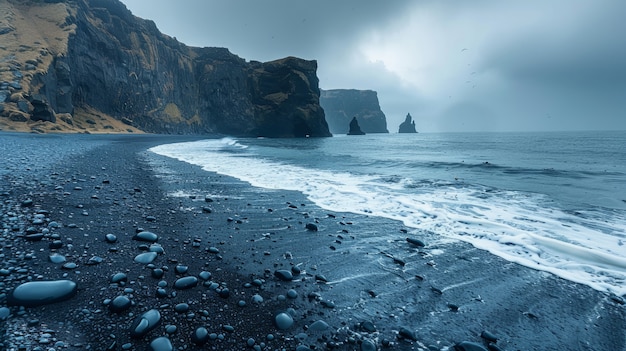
x: 354, y: 128
x: 408, y: 126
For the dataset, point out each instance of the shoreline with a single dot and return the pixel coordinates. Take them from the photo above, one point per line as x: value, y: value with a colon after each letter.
x: 350, y: 274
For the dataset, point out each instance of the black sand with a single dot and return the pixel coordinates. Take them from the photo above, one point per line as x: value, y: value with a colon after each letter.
x: 366, y: 271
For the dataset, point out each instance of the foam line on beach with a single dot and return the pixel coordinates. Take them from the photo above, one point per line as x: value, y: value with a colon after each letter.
x: 519, y: 227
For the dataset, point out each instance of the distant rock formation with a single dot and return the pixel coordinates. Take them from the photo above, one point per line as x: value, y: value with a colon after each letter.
x: 408, y: 126
x: 93, y: 57
x: 340, y: 105
x: 355, y: 129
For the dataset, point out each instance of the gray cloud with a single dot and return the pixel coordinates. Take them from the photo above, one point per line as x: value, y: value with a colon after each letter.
x: 529, y: 65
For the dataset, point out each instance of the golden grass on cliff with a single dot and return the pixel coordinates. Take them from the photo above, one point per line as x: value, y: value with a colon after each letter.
x: 39, y: 33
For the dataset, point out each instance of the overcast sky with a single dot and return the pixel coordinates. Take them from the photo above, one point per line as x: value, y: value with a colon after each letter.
x: 458, y: 65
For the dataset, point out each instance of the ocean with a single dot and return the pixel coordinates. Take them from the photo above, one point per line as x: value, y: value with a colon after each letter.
x: 554, y: 202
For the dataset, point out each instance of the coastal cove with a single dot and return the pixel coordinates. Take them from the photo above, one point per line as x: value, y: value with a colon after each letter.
x: 358, y: 283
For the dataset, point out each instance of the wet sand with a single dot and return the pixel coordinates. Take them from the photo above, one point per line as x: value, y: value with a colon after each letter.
x: 361, y: 285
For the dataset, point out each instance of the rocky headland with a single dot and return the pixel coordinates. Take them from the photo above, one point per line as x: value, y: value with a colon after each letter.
x: 91, y: 65
x: 340, y: 105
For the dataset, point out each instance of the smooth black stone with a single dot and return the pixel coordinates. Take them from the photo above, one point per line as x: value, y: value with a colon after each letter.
x: 284, y: 275
x: 146, y: 236
x: 42, y: 293
x: 119, y: 277
x: 5, y: 312
x: 200, y: 336
x: 181, y: 308
x: 143, y: 324
x: 171, y: 329
x: 368, y: 326
x: 185, y: 283
x: 120, y: 304
x: 415, y: 242
x: 156, y: 248
x: 161, y: 344
x: 95, y: 260
x: 406, y: 333
x: 34, y: 237
x: 488, y: 336
x: 146, y: 257
x: 157, y: 273
x: 321, y: 278
x: 69, y: 265
x: 27, y: 203
x: 311, y: 226
x: 110, y: 238
x: 283, y: 321
x: 204, y: 275
x: 181, y: 269
x: 223, y: 293
x: 56, y: 258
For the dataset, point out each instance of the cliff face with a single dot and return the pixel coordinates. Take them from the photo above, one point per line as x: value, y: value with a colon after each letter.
x: 115, y: 64
x: 341, y: 105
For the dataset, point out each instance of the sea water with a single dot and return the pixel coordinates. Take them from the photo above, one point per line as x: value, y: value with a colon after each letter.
x: 550, y: 201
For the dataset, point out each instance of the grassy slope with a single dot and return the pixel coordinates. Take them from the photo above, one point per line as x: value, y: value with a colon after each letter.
x: 40, y: 33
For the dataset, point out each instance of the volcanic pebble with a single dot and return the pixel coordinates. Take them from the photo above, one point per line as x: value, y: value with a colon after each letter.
x: 200, y: 336
x: 143, y: 324
x: 146, y: 236
x: 161, y: 344
x: 120, y: 304
x: 283, y: 321
x: 42, y: 293
x: 56, y: 258
x: 185, y: 283
x: 146, y: 257
x: 283, y: 275
x: 118, y: 277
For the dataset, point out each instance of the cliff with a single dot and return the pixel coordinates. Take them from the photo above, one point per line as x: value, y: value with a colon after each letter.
x: 88, y: 64
x: 340, y: 105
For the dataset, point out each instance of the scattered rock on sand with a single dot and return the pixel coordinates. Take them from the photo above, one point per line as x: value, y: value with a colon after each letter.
x: 42, y: 293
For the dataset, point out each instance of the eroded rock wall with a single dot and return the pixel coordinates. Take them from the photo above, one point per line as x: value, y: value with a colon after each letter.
x: 122, y: 66
x: 341, y: 105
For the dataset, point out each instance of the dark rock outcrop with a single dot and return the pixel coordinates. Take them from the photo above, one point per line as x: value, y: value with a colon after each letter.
x: 408, y: 126
x: 355, y: 129
x: 41, y: 109
x: 121, y: 66
x: 340, y: 105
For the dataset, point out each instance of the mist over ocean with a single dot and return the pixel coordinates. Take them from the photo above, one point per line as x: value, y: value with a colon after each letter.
x: 550, y: 201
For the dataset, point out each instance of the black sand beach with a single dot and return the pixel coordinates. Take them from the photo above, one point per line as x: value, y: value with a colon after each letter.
x: 356, y: 289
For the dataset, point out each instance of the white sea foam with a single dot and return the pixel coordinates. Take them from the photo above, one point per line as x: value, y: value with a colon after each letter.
x: 518, y: 227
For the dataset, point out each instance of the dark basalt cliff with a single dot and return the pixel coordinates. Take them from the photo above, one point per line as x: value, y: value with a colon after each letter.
x: 118, y: 65
x: 340, y: 105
